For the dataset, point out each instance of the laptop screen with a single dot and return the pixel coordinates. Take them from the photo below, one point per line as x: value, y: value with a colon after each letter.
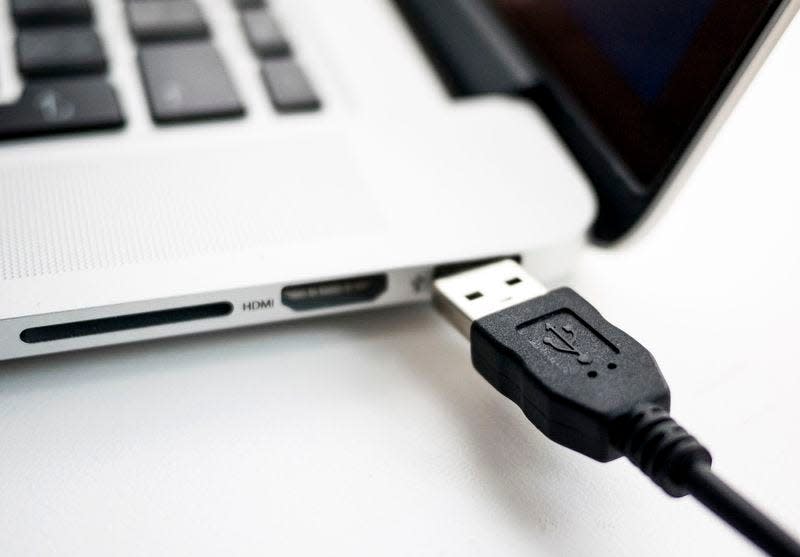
x: 645, y: 72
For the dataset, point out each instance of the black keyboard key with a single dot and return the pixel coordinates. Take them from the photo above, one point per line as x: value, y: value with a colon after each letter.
x: 289, y: 89
x: 264, y: 34
x: 55, y: 51
x: 51, y: 12
x: 160, y: 20
x: 187, y: 81
x: 249, y: 4
x: 61, y: 106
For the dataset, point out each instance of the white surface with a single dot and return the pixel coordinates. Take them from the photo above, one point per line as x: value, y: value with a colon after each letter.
x: 370, y: 434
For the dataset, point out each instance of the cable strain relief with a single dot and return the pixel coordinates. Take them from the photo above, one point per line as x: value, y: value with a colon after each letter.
x: 660, y: 447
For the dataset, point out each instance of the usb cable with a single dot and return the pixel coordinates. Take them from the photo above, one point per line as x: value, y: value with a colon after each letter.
x: 588, y: 386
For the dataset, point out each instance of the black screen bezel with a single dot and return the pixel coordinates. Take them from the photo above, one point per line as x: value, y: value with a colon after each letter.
x: 630, y: 149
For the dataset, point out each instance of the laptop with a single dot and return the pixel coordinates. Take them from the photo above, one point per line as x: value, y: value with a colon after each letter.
x: 170, y: 167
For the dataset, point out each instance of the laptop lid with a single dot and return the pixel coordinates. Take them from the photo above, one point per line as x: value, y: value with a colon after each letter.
x: 634, y: 87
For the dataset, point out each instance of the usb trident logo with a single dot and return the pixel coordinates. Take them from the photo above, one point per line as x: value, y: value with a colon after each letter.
x: 565, y: 342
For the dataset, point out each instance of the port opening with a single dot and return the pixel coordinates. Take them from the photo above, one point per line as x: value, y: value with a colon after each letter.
x: 455, y: 268
x: 333, y: 293
x: 90, y: 327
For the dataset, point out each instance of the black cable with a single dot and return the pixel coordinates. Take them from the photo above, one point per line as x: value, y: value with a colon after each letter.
x: 731, y: 507
x: 680, y: 465
x: 589, y: 386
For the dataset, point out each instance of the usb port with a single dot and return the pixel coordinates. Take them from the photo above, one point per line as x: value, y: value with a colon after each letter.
x: 332, y: 293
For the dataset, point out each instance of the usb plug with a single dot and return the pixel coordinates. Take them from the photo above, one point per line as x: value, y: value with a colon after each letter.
x: 471, y: 295
x: 572, y: 373
x: 588, y: 386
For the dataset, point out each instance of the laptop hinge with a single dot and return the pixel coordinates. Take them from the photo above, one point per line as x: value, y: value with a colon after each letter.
x: 470, y: 46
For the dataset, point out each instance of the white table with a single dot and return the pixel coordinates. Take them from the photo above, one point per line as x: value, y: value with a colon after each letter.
x: 370, y: 434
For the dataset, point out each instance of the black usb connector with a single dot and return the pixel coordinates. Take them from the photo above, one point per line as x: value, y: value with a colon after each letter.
x: 588, y: 386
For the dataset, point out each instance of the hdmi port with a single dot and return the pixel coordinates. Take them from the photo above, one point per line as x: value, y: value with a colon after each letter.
x: 332, y: 293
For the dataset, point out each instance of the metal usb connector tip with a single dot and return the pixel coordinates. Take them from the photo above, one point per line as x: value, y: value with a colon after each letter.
x: 471, y: 295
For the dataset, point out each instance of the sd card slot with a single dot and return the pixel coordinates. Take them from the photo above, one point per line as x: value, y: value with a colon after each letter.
x: 129, y: 322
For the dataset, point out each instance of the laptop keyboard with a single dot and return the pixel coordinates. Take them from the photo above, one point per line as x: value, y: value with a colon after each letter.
x: 63, y: 64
